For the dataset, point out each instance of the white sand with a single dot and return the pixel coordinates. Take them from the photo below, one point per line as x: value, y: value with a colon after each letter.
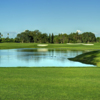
x: 88, y: 44
x: 74, y: 43
x: 42, y: 45
x: 78, y: 44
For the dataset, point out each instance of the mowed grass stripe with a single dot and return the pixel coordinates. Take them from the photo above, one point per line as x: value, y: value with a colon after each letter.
x: 49, y: 83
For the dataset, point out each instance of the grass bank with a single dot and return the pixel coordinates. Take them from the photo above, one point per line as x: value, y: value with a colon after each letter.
x: 92, y: 57
x: 49, y: 83
x: 35, y: 45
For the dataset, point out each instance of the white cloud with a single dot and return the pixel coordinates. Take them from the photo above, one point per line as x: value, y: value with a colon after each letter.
x: 79, y: 31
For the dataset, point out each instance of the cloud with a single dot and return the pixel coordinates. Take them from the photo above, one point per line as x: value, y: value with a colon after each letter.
x: 79, y: 31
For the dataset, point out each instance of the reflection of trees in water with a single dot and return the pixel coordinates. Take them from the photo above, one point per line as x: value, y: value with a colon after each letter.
x: 56, y: 54
x: 30, y: 57
x: 26, y: 50
x: 75, y: 53
x: 62, y: 59
x: 33, y: 54
x: 0, y: 60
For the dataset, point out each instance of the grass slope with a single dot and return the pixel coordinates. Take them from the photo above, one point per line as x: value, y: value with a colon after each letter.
x: 49, y: 83
x: 92, y: 57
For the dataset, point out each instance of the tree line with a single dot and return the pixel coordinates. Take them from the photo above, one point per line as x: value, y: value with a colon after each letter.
x: 38, y: 37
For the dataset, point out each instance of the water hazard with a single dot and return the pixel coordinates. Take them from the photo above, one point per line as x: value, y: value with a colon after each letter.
x: 41, y: 57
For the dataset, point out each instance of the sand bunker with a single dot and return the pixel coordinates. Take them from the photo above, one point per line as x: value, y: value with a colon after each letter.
x: 78, y: 44
x: 42, y: 45
x: 74, y: 43
x: 88, y: 44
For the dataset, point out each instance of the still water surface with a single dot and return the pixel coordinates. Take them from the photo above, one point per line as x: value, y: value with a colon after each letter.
x: 26, y: 57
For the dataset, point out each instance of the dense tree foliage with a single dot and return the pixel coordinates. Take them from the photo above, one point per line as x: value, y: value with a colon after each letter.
x: 0, y: 37
x: 38, y: 37
x: 98, y: 39
x: 88, y: 37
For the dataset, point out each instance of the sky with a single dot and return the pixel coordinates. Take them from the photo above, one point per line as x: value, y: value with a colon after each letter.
x: 49, y: 16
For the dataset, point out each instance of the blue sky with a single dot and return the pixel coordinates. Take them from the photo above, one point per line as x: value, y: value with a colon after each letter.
x: 50, y: 16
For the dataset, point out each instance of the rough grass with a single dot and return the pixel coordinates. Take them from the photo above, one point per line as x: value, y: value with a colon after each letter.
x: 49, y: 83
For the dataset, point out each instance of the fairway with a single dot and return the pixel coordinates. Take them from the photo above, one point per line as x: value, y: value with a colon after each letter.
x: 96, y: 46
x: 49, y: 83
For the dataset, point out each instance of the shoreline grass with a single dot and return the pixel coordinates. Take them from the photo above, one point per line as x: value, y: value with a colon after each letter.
x: 92, y: 57
x: 49, y: 83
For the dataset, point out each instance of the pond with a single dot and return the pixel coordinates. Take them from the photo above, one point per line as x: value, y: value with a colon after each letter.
x: 39, y: 57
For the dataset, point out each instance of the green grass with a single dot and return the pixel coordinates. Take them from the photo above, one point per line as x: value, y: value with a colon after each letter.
x: 49, y: 83
x: 17, y: 45
x: 52, y: 83
x: 92, y: 57
x: 64, y: 46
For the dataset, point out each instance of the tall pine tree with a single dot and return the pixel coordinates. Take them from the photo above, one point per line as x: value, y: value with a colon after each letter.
x: 52, y: 37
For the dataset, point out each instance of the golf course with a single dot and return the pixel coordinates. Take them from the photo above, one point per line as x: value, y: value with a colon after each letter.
x: 50, y: 50
x: 52, y: 83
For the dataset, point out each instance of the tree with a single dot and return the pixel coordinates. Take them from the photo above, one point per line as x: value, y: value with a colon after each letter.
x: 17, y: 40
x: 73, y: 37
x: 44, y: 37
x: 49, y: 38
x: 88, y: 37
x: 24, y: 36
x: 52, y: 37
x: 98, y: 39
x: 37, y: 37
x: 56, y: 39
x: 21, y: 37
x: 60, y: 36
x: 0, y: 35
x: 65, y: 38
